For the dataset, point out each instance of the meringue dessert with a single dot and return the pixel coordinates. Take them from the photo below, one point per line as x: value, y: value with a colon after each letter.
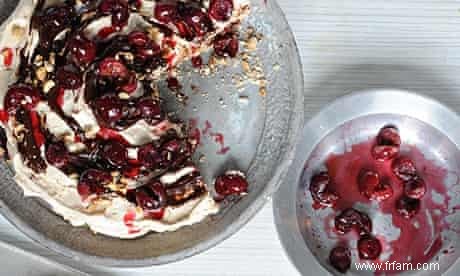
x: 83, y: 125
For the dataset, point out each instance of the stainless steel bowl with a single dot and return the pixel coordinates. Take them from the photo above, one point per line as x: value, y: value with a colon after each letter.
x: 423, y: 122
x: 261, y: 133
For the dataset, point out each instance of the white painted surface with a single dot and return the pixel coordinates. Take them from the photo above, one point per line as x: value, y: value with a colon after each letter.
x: 345, y: 46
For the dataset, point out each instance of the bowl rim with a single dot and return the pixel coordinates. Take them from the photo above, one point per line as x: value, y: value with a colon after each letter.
x: 295, y: 127
x: 285, y: 211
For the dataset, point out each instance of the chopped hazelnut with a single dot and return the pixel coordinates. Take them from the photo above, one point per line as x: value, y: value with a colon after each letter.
x: 41, y: 73
x: 48, y: 85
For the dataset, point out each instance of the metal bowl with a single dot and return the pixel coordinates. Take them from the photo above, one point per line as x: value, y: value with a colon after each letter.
x: 260, y: 131
x: 423, y: 122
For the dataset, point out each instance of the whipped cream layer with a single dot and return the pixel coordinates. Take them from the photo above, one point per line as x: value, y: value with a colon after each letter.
x: 63, y: 142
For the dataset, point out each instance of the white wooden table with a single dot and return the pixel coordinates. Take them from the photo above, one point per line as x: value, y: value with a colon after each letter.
x: 345, y: 46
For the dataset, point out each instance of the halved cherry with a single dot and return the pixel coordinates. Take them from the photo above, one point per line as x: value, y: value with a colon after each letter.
x: 92, y: 181
x: 118, y: 9
x: 115, y: 153
x: 108, y: 109
x: 415, y: 187
x: 138, y: 38
x: 221, y: 10
x: 320, y: 190
x: 149, y: 156
x: 68, y: 79
x: 369, y: 247
x: 368, y: 180
x: 350, y: 219
x: 383, y: 191
x: 112, y: 68
x: 340, y: 258
x: 226, y: 45
x: 407, y: 207
x: 165, y: 13
x: 152, y: 199
x: 389, y: 136
x: 20, y: 95
x: 198, y: 21
x: 82, y: 50
x: 388, y: 143
x: 150, y: 110
x: 404, y: 168
x: 57, y: 154
x: 383, y: 153
x: 231, y: 183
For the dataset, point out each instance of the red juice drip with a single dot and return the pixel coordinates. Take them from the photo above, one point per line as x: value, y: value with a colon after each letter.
x: 7, y: 57
x: 219, y: 138
x: 207, y: 127
x: 421, y: 243
x: 128, y: 219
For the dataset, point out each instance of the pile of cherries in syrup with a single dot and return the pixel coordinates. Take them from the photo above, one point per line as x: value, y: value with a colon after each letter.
x: 386, y: 149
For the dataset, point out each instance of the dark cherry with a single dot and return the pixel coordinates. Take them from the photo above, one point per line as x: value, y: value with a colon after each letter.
x: 57, y: 154
x: 407, y: 207
x: 150, y: 110
x: 231, y: 184
x: 388, y: 143
x: 383, y: 153
x: 82, y: 50
x: 118, y: 9
x: 175, y: 152
x: 173, y: 83
x: 198, y: 21
x: 138, y: 39
x: 320, y: 190
x: 113, y: 68
x: 389, y: 136
x: 382, y: 192
x: 226, y: 45
x: 340, y: 258
x: 350, y: 219
x: 92, y: 181
x: 149, y: 51
x: 152, y: 199
x: 130, y: 86
x: 415, y: 188
x: 52, y: 21
x: 165, y: 13
x: 149, y: 156
x: 115, y: 153
x: 368, y: 180
x: 197, y: 61
x: 191, y: 22
x: 372, y: 187
x: 108, y: 109
x: 68, y: 79
x: 21, y: 96
x: 404, y: 168
x: 369, y: 247
x: 172, y: 146
x: 184, y: 30
x: 221, y: 10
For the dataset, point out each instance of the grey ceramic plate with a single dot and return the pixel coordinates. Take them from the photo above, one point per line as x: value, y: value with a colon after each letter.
x: 261, y: 133
x: 423, y: 122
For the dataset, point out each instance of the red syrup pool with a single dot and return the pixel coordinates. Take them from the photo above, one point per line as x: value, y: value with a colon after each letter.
x: 420, y: 238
